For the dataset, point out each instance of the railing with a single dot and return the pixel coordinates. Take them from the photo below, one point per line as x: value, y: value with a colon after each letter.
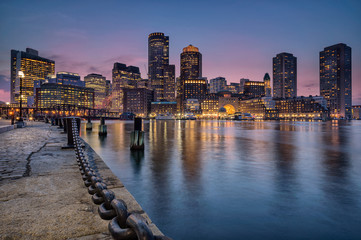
x: 123, y: 224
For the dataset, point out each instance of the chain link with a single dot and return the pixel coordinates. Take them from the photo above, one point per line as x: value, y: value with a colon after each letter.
x: 123, y: 225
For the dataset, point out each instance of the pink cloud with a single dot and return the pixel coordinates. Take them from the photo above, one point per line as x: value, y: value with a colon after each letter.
x: 4, y: 95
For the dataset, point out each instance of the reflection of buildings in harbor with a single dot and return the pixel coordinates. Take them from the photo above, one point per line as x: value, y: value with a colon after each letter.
x: 191, y: 154
x: 284, y: 138
x: 336, y: 165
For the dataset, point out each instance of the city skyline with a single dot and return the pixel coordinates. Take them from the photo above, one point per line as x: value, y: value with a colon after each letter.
x: 231, y: 53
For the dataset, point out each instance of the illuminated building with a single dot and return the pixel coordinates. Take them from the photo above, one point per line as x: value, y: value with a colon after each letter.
x: 68, y: 78
x: 98, y: 83
x: 335, y: 79
x: 312, y: 107
x: 284, y: 76
x: 158, y: 60
x: 209, y: 105
x: 193, y: 106
x: 228, y: 101
x: 169, y: 83
x: 163, y: 108
x: 122, y: 77
x: 242, y: 81
x: 144, y: 83
x: 191, y: 63
x: 254, y: 89
x: 217, y: 84
x: 33, y: 67
x: 108, y: 88
x: 259, y: 108
x: 233, y: 88
x: 137, y: 101
x: 267, y: 85
x: 51, y: 95
x: 356, y: 112
x: 196, y: 89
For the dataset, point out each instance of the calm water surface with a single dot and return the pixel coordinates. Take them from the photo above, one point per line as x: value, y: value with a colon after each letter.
x: 242, y: 180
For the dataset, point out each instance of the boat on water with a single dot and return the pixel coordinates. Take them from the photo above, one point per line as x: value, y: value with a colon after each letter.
x: 165, y: 117
x: 243, y: 116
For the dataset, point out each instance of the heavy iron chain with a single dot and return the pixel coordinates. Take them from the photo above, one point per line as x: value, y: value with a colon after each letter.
x: 123, y: 225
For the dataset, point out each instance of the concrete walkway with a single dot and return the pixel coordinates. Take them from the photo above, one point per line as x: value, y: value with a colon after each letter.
x: 42, y: 195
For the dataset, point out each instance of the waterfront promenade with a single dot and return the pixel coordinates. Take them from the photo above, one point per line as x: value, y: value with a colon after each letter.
x: 42, y: 195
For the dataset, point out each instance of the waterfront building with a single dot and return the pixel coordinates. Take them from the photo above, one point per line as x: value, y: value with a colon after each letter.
x: 259, y: 108
x: 169, y: 83
x: 284, y: 76
x: 158, y: 60
x: 158, y: 108
x: 228, y: 101
x: 267, y: 85
x: 254, y: 89
x: 217, y: 84
x: 336, y: 80
x: 356, y: 112
x: 195, y: 89
x: 122, y: 77
x: 52, y: 95
x: 192, y: 106
x: 312, y: 107
x: 242, y: 81
x: 98, y: 83
x: 137, y: 101
x: 34, y: 68
x: 209, y: 105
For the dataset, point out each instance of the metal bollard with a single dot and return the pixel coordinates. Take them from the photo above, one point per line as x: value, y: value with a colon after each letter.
x: 70, y: 130
x: 89, y: 125
x: 137, y: 136
x: 102, y: 127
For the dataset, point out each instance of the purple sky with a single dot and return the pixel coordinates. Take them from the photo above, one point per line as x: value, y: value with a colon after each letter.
x: 236, y: 38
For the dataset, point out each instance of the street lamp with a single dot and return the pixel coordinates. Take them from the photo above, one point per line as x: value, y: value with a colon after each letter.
x: 20, y: 122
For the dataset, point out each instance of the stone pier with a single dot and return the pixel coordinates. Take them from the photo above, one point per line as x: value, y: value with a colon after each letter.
x: 42, y: 195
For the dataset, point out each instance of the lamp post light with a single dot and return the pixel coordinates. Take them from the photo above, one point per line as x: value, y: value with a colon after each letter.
x: 20, y: 122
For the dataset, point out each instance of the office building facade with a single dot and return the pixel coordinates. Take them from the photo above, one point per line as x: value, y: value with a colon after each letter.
x: 34, y: 68
x: 284, y: 76
x: 217, y: 84
x: 158, y: 60
x: 336, y: 80
x: 137, y: 101
x: 190, y: 63
x: 99, y: 84
x: 123, y: 76
x: 53, y: 95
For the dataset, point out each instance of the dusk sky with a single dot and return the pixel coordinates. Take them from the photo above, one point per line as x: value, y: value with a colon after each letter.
x: 236, y: 38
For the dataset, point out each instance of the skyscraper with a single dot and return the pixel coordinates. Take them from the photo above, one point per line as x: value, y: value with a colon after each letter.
x: 335, y: 79
x: 169, y: 83
x: 267, y: 85
x: 99, y: 84
x: 33, y: 67
x: 191, y: 63
x: 158, y: 60
x: 284, y: 76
